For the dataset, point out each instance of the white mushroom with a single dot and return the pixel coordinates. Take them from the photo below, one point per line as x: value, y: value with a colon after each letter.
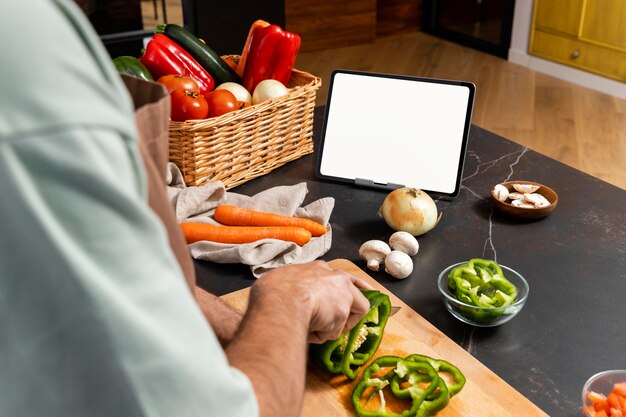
x: 536, y: 199
x: 500, y: 192
x: 516, y: 196
x: 522, y: 204
x: 374, y: 252
x: 398, y: 264
x: 526, y: 188
x: 404, y: 242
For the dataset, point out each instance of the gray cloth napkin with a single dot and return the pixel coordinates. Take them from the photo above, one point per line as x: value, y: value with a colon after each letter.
x: 197, y: 204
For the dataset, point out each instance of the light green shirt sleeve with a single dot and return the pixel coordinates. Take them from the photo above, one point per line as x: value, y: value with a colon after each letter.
x: 95, y: 316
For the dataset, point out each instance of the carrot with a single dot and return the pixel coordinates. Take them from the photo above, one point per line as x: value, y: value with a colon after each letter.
x: 195, y: 232
x: 246, y: 47
x: 238, y: 216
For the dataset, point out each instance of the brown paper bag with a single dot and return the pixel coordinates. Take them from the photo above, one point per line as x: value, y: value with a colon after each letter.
x: 152, y: 112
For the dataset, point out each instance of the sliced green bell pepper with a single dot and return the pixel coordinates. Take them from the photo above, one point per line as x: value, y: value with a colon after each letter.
x: 481, y: 283
x: 355, y: 347
x: 414, y: 378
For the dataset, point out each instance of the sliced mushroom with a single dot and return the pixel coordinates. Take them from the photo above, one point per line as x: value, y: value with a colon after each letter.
x: 516, y: 196
x: 404, y: 242
x: 526, y: 188
x: 501, y: 192
x: 374, y: 252
x: 537, y: 200
x: 522, y: 204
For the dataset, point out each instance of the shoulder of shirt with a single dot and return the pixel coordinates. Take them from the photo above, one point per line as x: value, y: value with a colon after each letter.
x: 59, y: 72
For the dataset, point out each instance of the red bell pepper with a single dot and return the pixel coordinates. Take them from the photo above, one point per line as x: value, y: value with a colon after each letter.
x: 164, y: 57
x: 272, y: 54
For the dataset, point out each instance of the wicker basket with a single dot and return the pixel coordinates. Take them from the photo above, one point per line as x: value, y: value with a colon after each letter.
x: 242, y: 145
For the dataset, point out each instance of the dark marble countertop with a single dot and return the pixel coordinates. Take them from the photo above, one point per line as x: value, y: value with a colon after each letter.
x: 574, y: 323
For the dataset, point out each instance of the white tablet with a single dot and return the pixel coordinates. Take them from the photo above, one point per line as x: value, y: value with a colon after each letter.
x: 389, y: 131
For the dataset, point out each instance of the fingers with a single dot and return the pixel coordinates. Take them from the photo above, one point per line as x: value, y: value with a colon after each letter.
x: 343, y: 308
x: 322, y: 336
x: 360, y: 283
x: 333, y: 298
x: 314, y: 337
x: 360, y: 305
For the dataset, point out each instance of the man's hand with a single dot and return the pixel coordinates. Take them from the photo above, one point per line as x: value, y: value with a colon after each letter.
x: 331, y: 298
x: 289, y: 307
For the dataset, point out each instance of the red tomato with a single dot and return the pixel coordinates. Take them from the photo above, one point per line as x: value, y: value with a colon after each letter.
x: 178, y: 82
x: 221, y: 102
x: 188, y: 104
x: 243, y: 105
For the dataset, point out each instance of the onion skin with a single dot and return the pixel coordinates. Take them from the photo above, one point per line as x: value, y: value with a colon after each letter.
x: 410, y: 210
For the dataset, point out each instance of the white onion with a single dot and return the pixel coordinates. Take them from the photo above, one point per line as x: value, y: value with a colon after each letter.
x: 238, y: 90
x: 268, y: 89
x: 409, y: 210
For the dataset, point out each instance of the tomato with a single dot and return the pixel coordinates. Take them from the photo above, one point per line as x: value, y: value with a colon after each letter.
x: 178, y: 82
x: 243, y: 105
x: 238, y: 91
x: 221, y: 102
x: 188, y: 104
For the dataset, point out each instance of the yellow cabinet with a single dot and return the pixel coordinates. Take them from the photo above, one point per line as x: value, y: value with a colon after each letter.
x: 586, y: 34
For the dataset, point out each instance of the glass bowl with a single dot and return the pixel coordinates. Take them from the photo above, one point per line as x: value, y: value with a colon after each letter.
x: 602, y: 383
x: 483, y: 316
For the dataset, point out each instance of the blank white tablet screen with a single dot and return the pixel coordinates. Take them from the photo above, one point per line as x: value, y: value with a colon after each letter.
x: 394, y: 130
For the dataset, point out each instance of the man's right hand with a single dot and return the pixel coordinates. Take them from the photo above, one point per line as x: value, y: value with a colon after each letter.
x: 331, y: 299
x: 288, y: 308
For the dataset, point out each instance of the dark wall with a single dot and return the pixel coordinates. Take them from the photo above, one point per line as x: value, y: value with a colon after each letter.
x: 224, y: 24
x: 119, y: 24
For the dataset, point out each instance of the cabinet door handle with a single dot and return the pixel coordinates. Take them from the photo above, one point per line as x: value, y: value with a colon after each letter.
x: 575, y: 53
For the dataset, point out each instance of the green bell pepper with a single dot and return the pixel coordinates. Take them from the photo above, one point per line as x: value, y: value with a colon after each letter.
x: 414, y: 378
x: 355, y: 347
x: 132, y: 66
x: 444, y: 367
x: 481, y: 283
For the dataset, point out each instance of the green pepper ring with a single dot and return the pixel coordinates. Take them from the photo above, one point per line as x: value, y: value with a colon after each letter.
x: 375, y: 366
x: 424, y: 401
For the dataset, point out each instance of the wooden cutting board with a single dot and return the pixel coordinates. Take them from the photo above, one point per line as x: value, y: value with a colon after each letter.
x: 485, y: 394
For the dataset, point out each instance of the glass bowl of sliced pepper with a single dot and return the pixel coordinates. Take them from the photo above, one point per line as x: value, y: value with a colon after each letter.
x: 482, y: 293
x: 604, y: 394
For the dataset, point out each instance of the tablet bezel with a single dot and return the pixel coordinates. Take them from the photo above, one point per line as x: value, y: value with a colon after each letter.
x: 364, y: 182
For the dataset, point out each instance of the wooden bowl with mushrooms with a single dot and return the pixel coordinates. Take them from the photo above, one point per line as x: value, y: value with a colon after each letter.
x: 524, y: 199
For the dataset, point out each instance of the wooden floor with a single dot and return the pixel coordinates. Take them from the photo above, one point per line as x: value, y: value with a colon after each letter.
x: 575, y: 125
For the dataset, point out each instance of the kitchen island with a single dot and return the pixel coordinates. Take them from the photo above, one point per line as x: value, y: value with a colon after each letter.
x: 574, y: 261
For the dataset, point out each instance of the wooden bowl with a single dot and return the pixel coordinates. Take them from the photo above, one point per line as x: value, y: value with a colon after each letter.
x: 527, y: 213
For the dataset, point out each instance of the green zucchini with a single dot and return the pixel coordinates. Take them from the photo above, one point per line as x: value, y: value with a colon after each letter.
x: 132, y: 66
x: 206, y: 57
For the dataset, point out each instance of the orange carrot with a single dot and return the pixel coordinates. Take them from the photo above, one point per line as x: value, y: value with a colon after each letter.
x: 195, y: 232
x: 246, y: 47
x: 238, y: 216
